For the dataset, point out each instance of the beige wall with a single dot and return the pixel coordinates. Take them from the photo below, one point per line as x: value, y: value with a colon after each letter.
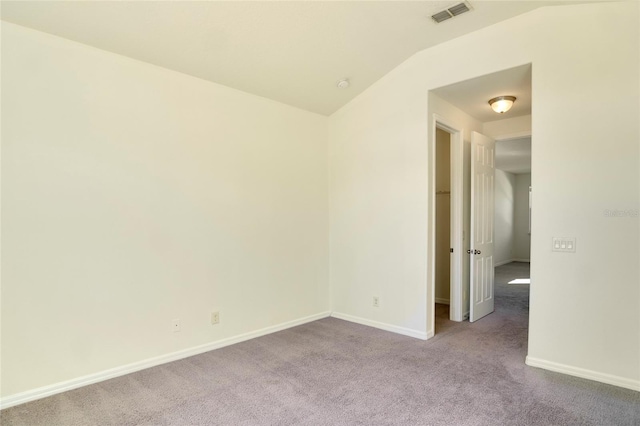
x: 522, y: 237
x: 380, y: 179
x: 504, y: 217
x: 132, y: 196
x: 512, y: 238
x: 510, y: 214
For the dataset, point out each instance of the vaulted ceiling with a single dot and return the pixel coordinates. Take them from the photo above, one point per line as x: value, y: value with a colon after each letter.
x: 292, y: 52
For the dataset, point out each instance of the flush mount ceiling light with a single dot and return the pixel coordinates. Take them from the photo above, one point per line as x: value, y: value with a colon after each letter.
x: 343, y: 84
x: 502, y: 104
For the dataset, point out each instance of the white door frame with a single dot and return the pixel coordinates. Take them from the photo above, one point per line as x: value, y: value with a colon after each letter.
x: 457, y: 204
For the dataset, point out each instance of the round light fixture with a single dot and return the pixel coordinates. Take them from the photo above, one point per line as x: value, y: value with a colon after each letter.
x: 343, y: 84
x: 502, y: 104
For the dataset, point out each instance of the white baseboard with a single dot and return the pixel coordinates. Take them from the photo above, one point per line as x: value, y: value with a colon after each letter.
x: 442, y: 301
x: 609, y: 379
x: 504, y: 262
x: 382, y: 326
x: 45, y: 391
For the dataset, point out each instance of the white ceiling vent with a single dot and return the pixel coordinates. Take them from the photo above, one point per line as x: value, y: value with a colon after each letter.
x: 456, y: 10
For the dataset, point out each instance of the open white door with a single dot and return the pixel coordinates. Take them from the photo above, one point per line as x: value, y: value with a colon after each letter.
x: 482, y: 205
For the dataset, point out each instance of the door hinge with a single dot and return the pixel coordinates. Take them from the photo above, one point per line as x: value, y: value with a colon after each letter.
x: 450, y: 250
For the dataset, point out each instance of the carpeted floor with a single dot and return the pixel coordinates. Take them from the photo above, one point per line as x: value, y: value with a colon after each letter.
x: 332, y: 372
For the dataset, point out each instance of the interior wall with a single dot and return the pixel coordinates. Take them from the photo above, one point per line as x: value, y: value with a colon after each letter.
x: 507, y: 213
x: 504, y: 217
x: 443, y: 216
x: 522, y: 237
x: 508, y: 127
x: 132, y: 196
x: 380, y: 178
x: 378, y: 205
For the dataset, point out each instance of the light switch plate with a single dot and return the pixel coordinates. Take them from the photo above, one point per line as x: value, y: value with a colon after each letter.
x: 563, y: 244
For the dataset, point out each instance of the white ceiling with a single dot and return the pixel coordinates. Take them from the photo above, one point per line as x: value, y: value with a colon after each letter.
x: 472, y: 96
x: 293, y: 52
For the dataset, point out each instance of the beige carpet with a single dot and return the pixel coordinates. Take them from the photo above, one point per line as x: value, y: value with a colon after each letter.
x: 332, y: 372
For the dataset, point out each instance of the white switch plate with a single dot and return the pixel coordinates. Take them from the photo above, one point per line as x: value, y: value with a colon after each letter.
x: 563, y: 244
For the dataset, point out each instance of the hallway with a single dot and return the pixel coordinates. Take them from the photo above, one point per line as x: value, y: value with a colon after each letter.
x: 511, y: 299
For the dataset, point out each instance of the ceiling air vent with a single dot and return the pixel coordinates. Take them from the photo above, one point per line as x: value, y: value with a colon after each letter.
x: 456, y: 10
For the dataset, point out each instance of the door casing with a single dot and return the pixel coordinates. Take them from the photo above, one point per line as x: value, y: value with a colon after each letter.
x: 456, y: 298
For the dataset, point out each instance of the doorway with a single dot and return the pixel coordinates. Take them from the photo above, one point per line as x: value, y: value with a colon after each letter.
x: 443, y: 225
x: 513, y: 206
x: 466, y: 103
x: 447, y: 166
x: 447, y: 236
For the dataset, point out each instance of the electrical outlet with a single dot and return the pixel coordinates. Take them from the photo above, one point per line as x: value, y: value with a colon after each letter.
x: 175, y: 325
x: 376, y: 302
x: 215, y: 318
